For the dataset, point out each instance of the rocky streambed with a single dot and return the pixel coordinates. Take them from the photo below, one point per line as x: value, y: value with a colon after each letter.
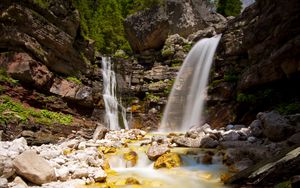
x: 202, y: 156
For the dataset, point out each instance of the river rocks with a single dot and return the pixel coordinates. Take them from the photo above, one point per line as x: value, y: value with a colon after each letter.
x: 187, y: 142
x: 168, y: 160
x: 156, y: 151
x: 275, y: 127
x: 208, y: 142
x: 34, y: 168
x: 3, y: 183
x: 256, y: 128
x: 131, y: 158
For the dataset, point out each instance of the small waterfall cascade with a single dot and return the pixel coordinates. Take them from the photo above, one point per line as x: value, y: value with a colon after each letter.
x: 186, y: 101
x: 115, y: 113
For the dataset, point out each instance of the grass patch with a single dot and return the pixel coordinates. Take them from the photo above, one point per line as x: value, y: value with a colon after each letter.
x: 151, y: 97
x: 4, y: 77
x: 74, y: 79
x: 291, y: 108
x: 42, y: 3
x: 12, y: 111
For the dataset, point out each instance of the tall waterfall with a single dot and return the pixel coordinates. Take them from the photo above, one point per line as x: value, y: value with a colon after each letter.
x: 186, y: 101
x: 113, y: 110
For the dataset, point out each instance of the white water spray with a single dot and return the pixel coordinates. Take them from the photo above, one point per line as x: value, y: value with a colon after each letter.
x: 112, y: 107
x: 186, y: 101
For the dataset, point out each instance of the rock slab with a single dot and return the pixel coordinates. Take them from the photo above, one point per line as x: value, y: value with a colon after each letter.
x: 34, y: 168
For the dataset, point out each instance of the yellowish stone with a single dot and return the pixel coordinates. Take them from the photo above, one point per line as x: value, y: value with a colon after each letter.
x: 168, y: 160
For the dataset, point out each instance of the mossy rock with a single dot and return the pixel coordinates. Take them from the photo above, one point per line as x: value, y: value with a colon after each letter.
x: 106, y: 150
x: 168, y: 160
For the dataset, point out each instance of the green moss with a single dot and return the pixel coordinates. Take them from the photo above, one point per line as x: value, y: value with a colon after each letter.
x: 187, y: 47
x: 246, y: 98
x: 42, y: 3
x: 167, y: 52
x: 231, y: 77
x: 12, y: 111
x: 73, y: 79
x: 285, y: 184
x: 288, y: 108
x: 4, y: 77
x: 151, y: 97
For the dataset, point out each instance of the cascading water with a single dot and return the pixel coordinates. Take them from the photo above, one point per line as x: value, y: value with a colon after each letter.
x: 112, y: 107
x: 186, y: 101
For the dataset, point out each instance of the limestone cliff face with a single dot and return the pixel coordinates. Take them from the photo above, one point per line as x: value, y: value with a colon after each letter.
x: 41, y: 45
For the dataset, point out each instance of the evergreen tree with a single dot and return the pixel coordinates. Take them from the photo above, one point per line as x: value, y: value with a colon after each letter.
x: 229, y: 7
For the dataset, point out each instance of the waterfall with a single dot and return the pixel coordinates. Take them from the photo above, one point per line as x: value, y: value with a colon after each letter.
x: 113, y: 109
x: 186, y: 101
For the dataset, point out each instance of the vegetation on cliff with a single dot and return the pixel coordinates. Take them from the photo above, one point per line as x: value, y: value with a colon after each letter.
x: 13, y: 111
x: 229, y: 7
x: 102, y: 21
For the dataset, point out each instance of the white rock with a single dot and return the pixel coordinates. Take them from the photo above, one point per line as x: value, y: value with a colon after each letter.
x: 19, y: 183
x: 80, y: 173
x: 82, y: 145
x: 251, y: 139
x: 3, y: 183
x: 99, y: 175
x: 62, y: 173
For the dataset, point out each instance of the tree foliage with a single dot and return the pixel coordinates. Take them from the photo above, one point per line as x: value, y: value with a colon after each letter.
x: 229, y: 7
x: 102, y: 21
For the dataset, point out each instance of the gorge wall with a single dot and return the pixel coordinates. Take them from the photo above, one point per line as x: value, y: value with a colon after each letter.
x: 256, y: 67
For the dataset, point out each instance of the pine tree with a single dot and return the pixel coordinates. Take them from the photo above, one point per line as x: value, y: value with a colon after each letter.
x: 229, y: 7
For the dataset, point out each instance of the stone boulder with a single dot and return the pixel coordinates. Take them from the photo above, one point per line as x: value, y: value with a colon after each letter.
x: 74, y: 91
x: 150, y: 28
x: 275, y: 127
x: 34, y: 168
x: 156, y: 151
x: 187, y: 142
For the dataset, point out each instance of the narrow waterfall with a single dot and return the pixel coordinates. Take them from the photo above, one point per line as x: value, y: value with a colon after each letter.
x: 113, y: 109
x: 186, y: 101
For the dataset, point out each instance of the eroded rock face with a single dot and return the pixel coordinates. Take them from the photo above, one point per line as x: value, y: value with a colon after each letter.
x: 48, y: 34
x: 34, y: 168
x: 23, y: 67
x: 149, y: 29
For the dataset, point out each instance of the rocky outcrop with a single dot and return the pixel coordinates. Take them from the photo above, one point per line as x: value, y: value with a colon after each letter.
x: 271, y: 171
x: 41, y: 47
x: 48, y: 33
x: 150, y: 28
x: 257, y: 62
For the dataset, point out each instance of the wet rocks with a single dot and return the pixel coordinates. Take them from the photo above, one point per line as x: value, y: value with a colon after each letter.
x: 131, y: 158
x: 168, y: 160
x: 155, y: 151
x: 34, y: 168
